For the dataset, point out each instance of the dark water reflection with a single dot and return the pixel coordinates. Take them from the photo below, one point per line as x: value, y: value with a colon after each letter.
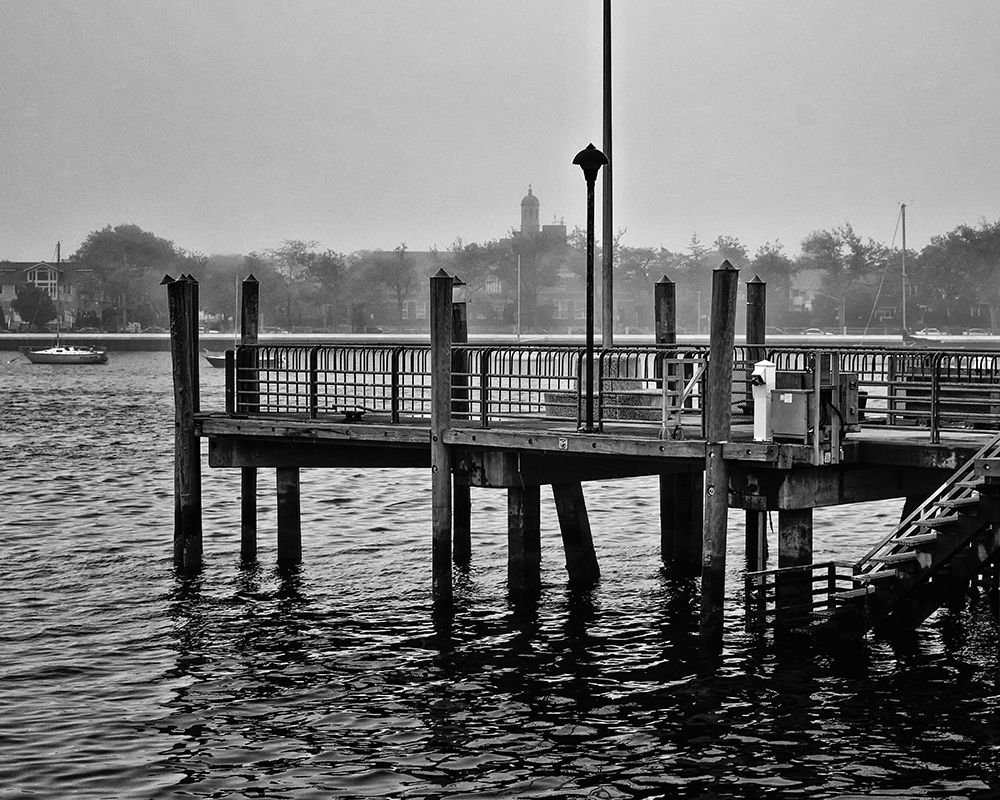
x: 120, y: 678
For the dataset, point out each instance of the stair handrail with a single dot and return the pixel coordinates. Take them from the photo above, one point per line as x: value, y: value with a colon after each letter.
x: 959, y: 474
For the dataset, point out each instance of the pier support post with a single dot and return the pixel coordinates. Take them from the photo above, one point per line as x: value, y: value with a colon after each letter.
x: 182, y: 301
x: 756, y: 521
x: 462, y: 522
x: 289, y: 516
x: 718, y: 418
x: 578, y: 541
x: 441, y: 328
x: 756, y: 540
x: 682, y: 508
x: 524, y: 551
x: 249, y: 330
x: 681, y: 493
x: 795, y: 529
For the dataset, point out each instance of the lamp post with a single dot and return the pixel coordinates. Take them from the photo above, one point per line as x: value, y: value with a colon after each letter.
x: 590, y: 160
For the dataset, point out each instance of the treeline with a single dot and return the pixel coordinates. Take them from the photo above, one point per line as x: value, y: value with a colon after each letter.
x: 838, y: 280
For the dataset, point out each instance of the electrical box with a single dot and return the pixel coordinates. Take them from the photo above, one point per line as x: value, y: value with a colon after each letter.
x: 792, y: 414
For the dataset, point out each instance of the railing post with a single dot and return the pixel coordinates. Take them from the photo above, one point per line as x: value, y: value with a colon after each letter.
x: 484, y: 387
x: 441, y: 496
x: 181, y: 298
x: 718, y: 418
x: 394, y: 389
x: 935, y: 423
x: 313, y: 382
x: 230, y: 382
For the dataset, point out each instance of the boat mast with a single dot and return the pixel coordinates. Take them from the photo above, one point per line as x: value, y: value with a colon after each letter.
x: 902, y: 211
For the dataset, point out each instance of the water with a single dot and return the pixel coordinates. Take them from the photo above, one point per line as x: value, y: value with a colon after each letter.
x: 119, y: 679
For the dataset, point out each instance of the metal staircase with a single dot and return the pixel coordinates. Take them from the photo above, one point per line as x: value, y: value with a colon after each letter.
x: 926, y: 562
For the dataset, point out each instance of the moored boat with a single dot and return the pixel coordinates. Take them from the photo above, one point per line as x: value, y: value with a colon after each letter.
x: 66, y: 354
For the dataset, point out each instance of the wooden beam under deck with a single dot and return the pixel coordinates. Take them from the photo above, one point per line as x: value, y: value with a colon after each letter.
x: 876, y: 464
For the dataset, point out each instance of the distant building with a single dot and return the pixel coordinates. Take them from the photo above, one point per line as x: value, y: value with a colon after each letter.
x: 60, y: 281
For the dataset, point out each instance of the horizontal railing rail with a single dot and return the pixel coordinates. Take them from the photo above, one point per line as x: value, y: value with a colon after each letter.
x: 791, y: 595
x: 635, y: 385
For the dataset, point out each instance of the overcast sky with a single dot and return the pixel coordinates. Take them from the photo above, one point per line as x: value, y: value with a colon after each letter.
x: 230, y: 126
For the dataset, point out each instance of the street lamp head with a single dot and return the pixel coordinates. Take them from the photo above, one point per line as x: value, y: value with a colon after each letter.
x: 590, y: 160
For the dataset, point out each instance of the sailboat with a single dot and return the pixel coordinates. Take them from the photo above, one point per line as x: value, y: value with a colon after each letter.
x: 60, y: 353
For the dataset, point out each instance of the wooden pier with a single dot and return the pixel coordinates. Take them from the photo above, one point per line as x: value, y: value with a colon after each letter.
x: 851, y: 424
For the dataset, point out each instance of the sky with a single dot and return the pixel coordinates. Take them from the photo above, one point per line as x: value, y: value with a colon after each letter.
x: 229, y: 127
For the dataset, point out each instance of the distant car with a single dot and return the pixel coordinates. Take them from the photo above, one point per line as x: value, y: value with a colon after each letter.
x: 814, y: 332
x: 929, y: 332
x: 977, y: 332
x: 154, y: 329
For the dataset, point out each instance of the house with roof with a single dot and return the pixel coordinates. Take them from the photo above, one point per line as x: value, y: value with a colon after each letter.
x: 61, y: 281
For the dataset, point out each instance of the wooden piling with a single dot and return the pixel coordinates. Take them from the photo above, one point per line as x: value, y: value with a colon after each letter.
x: 441, y: 337
x: 289, y: 516
x: 718, y: 418
x: 181, y: 301
x: 524, y: 552
x: 249, y: 331
x: 462, y: 506
x: 756, y: 335
x: 681, y: 492
x: 682, y: 509
x: 578, y: 541
x: 795, y: 543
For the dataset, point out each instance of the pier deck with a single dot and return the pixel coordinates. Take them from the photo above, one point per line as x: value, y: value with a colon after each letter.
x: 858, y: 424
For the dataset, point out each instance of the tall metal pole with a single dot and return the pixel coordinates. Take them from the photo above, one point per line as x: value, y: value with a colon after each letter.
x: 519, y: 297
x: 607, y: 219
x: 903, y: 212
x: 589, y: 418
x: 590, y: 160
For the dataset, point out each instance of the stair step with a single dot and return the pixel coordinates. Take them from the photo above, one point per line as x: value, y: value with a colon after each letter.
x: 850, y: 594
x: 958, y: 502
x: 972, y: 483
x: 939, y: 521
x: 897, y: 558
x: 917, y: 539
x: 876, y: 575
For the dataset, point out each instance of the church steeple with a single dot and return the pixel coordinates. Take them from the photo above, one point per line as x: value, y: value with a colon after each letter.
x: 529, y: 214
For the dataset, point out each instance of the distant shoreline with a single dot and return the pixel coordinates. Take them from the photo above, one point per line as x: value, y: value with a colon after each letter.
x: 160, y: 342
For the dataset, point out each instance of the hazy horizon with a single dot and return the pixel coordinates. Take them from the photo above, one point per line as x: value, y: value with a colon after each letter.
x: 227, y: 128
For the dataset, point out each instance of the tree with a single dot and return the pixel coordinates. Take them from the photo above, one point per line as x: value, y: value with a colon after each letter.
x: 846, y: 261
x: 34, y: 306
x: 772, y: 266
x: 127, y: 264
x: 961, y: 268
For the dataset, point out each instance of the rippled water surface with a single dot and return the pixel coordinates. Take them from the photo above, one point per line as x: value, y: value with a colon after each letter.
x: 120, y: 679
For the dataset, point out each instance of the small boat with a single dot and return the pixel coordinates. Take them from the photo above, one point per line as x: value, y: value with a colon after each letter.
x: 219, y: 360
x: 66, y: 354
x: 215, y: 359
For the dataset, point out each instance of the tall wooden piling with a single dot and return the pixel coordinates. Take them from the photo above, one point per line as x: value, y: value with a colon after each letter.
x: 462, y: 511
x: 795, y: 542
x: 578, y: 541
x: 182, y: 304
x: 289, y: 516
x: 756, y: 330
x: 249, y: 331
x: 681, y: 492
x: 718, y: 419
x: 441, y: 338
x: 524, y: 550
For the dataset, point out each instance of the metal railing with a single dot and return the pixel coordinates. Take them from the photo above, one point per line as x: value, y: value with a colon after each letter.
x: 791, y: 596
x: 942, y: 390
x: 641, y: 386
